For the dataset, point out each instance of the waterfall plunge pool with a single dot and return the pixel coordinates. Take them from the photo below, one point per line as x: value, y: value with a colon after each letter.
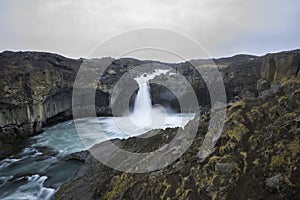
x: 39, y: 170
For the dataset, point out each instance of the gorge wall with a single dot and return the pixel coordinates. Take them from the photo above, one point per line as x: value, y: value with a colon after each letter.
x: 34, y: 88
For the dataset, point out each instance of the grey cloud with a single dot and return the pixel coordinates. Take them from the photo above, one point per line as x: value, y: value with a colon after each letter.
x: 74, y: 28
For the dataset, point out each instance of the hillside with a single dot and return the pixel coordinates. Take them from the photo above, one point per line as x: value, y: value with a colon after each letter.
x: 257, y: 157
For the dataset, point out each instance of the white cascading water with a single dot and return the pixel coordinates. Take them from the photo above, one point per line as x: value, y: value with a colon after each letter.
x: 144, y: 115
x: 141, y: 115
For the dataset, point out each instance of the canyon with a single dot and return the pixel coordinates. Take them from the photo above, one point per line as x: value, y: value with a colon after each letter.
x: 259, y: 147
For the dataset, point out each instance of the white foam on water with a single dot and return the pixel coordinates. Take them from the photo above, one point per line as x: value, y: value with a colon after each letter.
x: 7, y: 162
x: 33, y: 189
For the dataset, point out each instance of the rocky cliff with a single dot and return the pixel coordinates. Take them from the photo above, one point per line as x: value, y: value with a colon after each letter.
x: 36, y: 88
x: 284, y: 64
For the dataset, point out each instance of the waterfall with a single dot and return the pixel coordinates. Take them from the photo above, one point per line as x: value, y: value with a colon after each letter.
x: 144, y: 115
x: 141, y: 115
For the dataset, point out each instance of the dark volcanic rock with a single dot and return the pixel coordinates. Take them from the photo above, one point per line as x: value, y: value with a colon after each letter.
x: 34, y: 88
x: 274, y: 182
x: 279, y: 65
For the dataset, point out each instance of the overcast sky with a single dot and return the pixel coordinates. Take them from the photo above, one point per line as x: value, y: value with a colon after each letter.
x: 224, y: 27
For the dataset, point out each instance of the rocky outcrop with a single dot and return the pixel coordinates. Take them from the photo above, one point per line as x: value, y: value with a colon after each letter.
x: 241, y: 76
x: 34, y: 88
x: 279, y: 65
x: 257, y: 157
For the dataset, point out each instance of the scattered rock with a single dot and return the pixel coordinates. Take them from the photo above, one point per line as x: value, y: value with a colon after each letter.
x: 225, y: 168
x: 297, y: 120
x: 274, y: 182
x: 80, y: 156
x: 274, y: 88
x: 262, y: 85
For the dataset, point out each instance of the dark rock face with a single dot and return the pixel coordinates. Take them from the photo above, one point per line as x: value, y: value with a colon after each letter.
x: 257, y: 157
x: 279, y: 65
x: 34, y: 87
x: 240, y: 78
